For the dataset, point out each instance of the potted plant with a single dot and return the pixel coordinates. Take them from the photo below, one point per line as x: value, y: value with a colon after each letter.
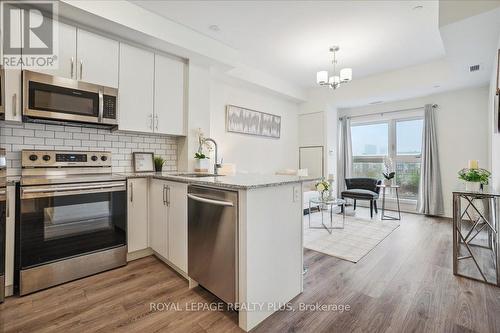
x: 201, y: 162
x: 159, y: 162
x: 474, y: 178
x: 323, y: 188
x: 389, y: 171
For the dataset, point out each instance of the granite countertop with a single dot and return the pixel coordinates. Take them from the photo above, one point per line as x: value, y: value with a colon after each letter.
x: 237, y: 181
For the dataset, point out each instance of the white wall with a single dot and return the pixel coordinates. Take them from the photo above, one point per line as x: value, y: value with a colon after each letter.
x: 493, y: 129
x: 198, y: 113
x: 462, y: 122
x: 253, y: 154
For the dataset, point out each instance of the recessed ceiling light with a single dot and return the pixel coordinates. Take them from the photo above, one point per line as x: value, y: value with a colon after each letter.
x: 376, y: 102
x: 437, y: 86
x: 214, y: 27
x: 418, y: 7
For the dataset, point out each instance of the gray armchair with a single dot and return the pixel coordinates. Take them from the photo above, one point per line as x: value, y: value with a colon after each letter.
x: 362, y: 189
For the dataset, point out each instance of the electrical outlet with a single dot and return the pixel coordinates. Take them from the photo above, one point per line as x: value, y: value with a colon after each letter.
x: 296, y: 193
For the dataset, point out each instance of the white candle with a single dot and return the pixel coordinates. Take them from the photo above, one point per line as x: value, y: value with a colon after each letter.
x: 473, y: 164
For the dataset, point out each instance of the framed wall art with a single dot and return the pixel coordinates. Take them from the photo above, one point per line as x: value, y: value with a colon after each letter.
x: 252, y: 122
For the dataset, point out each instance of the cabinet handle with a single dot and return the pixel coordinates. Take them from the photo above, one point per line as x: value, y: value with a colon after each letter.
x: 168, y: 196
x: 151, y: 121
x: 156, y: 116
x: 7, y: 208
x: 164, y: 195
x: 72, y: 66
x: 14, y: 105
x: 131, y: 192
x: 81, y: 69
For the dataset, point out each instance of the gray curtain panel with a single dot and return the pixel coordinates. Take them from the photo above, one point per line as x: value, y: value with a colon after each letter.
x: 430, y: 193
x: 344, y: 156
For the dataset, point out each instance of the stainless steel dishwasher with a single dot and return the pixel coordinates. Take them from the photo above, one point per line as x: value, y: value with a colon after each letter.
x: 213, y: 240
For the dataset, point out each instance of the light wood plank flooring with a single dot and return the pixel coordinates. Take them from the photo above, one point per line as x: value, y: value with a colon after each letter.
x: 404, y: 285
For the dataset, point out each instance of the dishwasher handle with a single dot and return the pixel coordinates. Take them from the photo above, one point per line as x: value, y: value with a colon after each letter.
x: 211, y: 201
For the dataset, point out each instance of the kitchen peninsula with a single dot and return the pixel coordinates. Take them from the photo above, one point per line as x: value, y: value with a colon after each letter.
x: 269, y: 233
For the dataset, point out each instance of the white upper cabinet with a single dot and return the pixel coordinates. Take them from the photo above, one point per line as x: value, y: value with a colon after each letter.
x: 97, y: 59
x: 169, y: 96
x: 12, y: 97
x: 66, y: 52
x: 12, y: 77
x: 135, y: 92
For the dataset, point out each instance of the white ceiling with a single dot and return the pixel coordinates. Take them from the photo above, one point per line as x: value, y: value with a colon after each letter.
x: 290, y: 39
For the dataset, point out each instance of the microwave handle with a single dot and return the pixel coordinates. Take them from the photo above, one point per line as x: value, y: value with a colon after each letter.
x: 81, y: 69
x: 101, y: 105
x: 14, y: 104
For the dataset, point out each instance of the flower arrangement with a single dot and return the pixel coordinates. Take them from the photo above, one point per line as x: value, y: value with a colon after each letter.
x: 389, y: 170
x: 323, y: 187
x: 475, y: 175
x: 200, y: 156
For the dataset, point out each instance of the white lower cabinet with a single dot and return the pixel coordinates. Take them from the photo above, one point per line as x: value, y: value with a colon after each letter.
x: 158, y: 217
x: 137, y: 219
x: 177, y: 225
x: 168, y: 221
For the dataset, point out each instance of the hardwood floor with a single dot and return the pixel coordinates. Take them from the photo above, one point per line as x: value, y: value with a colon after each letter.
x: 405, y: 284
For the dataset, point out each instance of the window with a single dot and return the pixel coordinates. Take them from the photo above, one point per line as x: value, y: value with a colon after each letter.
x: 400, y: 139
x: 370, y: 139
x: 409, y: 137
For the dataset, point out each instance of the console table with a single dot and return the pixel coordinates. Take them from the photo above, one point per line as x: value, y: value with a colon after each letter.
x: 475, y: 235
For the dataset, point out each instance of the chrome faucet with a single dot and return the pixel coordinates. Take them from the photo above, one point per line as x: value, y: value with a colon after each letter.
x: 216, y: 165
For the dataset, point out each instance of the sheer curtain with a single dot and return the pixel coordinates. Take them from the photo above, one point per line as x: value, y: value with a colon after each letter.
x: 344, y: 156
x: 430, y: 193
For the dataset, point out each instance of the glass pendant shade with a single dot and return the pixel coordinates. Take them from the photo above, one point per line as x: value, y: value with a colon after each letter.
x: 346, y: 74
x: 334, y: 80
x: 322, y: 77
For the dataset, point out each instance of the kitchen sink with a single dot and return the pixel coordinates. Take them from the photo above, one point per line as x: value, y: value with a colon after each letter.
x: 195, y: 175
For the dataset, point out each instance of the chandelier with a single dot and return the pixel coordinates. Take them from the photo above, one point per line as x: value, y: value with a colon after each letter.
x: 334, y: 81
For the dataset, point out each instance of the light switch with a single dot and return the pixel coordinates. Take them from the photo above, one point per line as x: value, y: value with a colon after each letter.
x: 296, y: 193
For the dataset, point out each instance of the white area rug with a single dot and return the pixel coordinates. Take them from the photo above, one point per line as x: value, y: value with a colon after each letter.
x: 352, y: 243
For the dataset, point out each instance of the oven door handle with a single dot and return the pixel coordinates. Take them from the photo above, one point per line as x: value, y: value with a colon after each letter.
x: 67, y: 190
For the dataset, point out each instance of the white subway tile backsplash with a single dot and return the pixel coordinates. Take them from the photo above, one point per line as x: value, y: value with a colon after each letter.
x: 22, y: 132
x: 73, y: 143
x: 54, y: 142
x: 72, y: 129
x: 44, y: 134
x: 81, y: 136
x: 86, y: 143
x: 16, y: 137
x: 29, y: 140
x: 63, y: 135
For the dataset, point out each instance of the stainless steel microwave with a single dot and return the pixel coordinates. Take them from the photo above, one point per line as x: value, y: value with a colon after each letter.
x: 60, y: 99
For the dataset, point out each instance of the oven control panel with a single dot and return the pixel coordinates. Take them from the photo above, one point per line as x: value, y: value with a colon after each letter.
x: 54, y: 159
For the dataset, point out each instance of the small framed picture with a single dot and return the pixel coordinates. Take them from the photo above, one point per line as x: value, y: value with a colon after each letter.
x: 143, y: 162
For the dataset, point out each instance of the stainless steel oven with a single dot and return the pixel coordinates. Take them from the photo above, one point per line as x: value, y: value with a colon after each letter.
x: 60, y: 99
x: 68, y: 226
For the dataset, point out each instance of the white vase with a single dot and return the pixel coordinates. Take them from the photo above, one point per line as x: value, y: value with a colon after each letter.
x: 472, y: 186
x: 387, y: 182
x: 201, y: 165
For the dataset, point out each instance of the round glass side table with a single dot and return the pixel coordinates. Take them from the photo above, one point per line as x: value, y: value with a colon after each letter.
x: 329, y: 203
